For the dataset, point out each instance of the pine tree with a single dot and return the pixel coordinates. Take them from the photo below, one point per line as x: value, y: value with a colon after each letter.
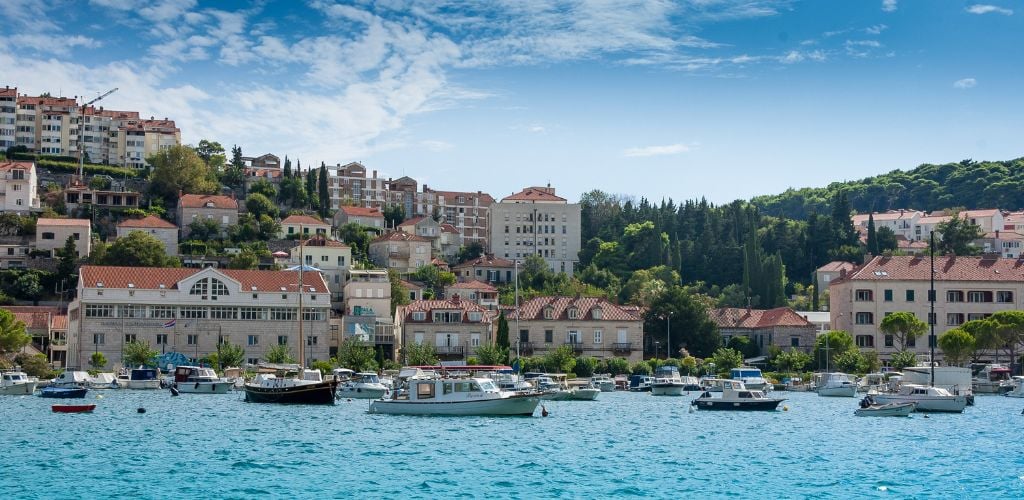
x: 325, y: 194
x: 287, y: 167
x: 872, y: 236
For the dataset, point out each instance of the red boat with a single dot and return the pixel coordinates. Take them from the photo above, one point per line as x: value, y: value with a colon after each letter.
x: 73, y: 408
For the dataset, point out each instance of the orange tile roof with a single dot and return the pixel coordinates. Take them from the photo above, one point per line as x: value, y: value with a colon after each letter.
x: 448, y: 228
x: 147, y: 222
x: 303, y: 219
x: 200, y: 201
x: 835, y: 266
x: 473, y: 285
x: 533, y: 194
x: 150, y: 278
x: 487, y: 261
x: 399, y: 236
x: 63, y: 222
x: 947, y: 268
x: 413, y: 221
x: 362, y: 212
x: 8, y: 165
x: 736, y: 317
x: 60, y: 322
x: 454, y: 303
x: 450, y: 197
x: 9, y: 92
x: 533, y: 309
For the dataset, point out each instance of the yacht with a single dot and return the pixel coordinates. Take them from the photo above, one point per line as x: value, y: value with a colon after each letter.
x: 928, y: 398
x: 143, y: 379
x: 991, y: 379
x: 199, y: 380
x: 736, y: 397
x: 71, y: 380
x: 604, y: 382
x: 870, y: 381
x: 309, y: 388
x: 455, y: 396
x: 1018, y: 388
x: 104, y: 380
x: 555, y: 387
x: 640, y: 383
x: 17, y: 382
x: 667, y: 382
x: 751, y: 377
x: 837, y: 385
x: 364, y: 385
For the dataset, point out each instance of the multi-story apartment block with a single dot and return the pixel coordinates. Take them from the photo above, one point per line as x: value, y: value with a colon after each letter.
x: 368, y: 310
x: 401, y: 251
x: 8, y: 116
x: 218, y: 208
x: 78, y: 194
x: 781, y: 327
x: 454, y: 326
x: 154, y: 226
x: 901, y: 222
x: 51, y: 234
x: 967, y: 288
x: 193, y: 310
x: 18, y: 187
x: 305, y: 225
x: 536, y: 221
x: 370, y: 217
x: 591, y: 326
x: 349, y: 186
x: 486, y: 268
x: 468, y: 212
x: 332, y: 258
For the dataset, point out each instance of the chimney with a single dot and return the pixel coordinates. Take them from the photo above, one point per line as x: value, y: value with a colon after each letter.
x: 456, y: 299
x: 842, y: 273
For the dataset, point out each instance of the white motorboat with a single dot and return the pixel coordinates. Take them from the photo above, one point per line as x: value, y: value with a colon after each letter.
x: 954, y: 379
x: 364, y: 385
x: 71, y: 380
x: 455, y: 396
x: 869, y: 408
x: 604, y: 382
x: 555, y: 387
x: 1018, y: 388
x: 736, y: 397
x: 585, y: 393
x: 871, y: 381
x: 710, y: 384
x: 17, y: 382
x: 751, y: 377
x: 836, y: 385
x: 200, y: 380
x: 143, y: 379
x: 928, y: 399
x: 667, y: 382
x: 104, y: 380
x: 991, y: 379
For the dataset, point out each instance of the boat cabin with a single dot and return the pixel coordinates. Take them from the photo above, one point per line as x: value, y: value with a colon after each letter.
x: 143, y: 374
x: 194, y: 374
x: 447, y: 390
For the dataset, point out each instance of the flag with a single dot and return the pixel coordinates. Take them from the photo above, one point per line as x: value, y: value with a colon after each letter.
x: 170, y: 324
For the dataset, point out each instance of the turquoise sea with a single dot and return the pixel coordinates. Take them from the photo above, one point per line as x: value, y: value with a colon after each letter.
x: 622, y: 445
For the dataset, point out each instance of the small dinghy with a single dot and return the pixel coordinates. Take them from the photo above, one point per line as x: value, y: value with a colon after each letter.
x: 63, y: 392
x: 73, y: 408
x: 868, y: 408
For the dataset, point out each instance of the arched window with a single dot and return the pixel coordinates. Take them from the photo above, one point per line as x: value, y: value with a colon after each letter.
x: 209, y: 287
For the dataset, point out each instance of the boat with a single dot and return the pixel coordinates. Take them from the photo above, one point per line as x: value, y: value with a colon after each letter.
x: 71, y: 379
x: 870, y: 381
x: 143, y: 379
x: 954, y: 379
x: 710, y: 384
x: 17, y: 382
x: 667, y: 382
x: 604, y: 382
x: 555, y: 387
x: 364, y: 385
x: 836, y: 385
x: 72, y: 408
x: 751, y: 378
x: 63, y: 392
x: 736, y: 397
x: 991, y: 379
x: 587, y: 392
x: 621, y: 382
x: 455, y: 396
x: 640, y: 383
x: 928, y: 398
x: 103, y: 381
x: 199, y: 380
x: 870, y: 408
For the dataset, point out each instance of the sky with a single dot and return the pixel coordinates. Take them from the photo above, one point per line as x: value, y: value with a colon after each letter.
x: 721, y: 99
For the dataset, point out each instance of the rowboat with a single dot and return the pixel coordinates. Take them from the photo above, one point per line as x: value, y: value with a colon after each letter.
x: 73, y: 408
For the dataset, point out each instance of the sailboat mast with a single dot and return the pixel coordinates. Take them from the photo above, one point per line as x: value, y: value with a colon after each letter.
x: 931, y: 300
x: 302, y: 345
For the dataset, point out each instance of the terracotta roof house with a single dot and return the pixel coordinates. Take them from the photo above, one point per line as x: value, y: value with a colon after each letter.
x: 51, y: 234
x: 154, y: 226
x: 222, y: 210
x: 486, y: 268
x: 475, y: 291
x: 591, y: 326
x: 455, y: 327
x: 781, y: 327
x: 400, y: 251
x: 18, y: 186
x: 828, y: 272
x: 371, y: 217
x: 306, y: 224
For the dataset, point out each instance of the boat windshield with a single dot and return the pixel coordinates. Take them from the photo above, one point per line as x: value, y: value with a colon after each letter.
x: 487, y: 386
x: 369, y: 378
x: 746, y: 373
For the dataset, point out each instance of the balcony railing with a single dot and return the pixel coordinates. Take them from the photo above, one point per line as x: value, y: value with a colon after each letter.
x: 576, y: 346
x: 383, y: 338
x: 450, y: 349
x: 526, y: 348
x: 624, y: 347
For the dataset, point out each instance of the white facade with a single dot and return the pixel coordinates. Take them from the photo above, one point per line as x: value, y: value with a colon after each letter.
x: 18, y: 187
x: 332, y: 258
x: 535, y: 221
x: 51, y: 234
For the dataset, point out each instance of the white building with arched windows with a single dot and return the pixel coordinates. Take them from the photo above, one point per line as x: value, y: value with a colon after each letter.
x: 191, y: 310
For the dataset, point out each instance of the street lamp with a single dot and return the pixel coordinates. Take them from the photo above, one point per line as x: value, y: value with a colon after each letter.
x: 668, y: 328
x: 657, y: 345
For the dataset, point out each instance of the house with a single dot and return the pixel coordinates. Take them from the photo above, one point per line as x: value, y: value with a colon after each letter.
x: 825, y: 274
x: 487, y: 268
x: 455, y: 327
x: 368, y: 310
x: 370, y: 217
x: 192, y: 311
x: 901, y: 222
x: 536, y: 221
x: 265, y: 161
x: 48, y: 327
x: 51, y: 234
x: 1007, y: 244
x: 14, y: 251
x: 475, y: 291
x: 218, y: 208
x: 414, y: 289
x: 18, y: 187
x: 401, y: 251
x: 307, y: 225
x: 591, y: 326
x: 422, y: 226
x: 154, y: 226
x: 78, y: 195
x: 450, y: 241
x: 332, y: 258
x: 781, y: 327
x: 967, y: 288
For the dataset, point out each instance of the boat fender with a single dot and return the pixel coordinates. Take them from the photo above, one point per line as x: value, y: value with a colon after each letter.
x: 543, y: 411
x: 197, y: 386
x: 785, y: 408
x: 692, y: 408
x: 174, y: 391
x: 141, y: 410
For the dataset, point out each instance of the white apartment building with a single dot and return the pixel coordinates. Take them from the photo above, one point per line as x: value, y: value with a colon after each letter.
x: 967, y: 288
x: 901, y: 222
x: 306, y: 225
x: 332, y: 258
x: 536, y: 221
x: 51, y: 234
x: 192, y: 310
x: 18, y: 187
x: 8, y: 116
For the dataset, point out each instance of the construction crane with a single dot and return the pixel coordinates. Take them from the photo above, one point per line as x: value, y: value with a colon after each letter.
x: 81, y: 130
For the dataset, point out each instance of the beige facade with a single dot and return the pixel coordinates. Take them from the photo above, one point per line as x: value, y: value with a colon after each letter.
x: 486, y: 268
x: 370, y: 217
x: 51, y: 234
x: 332, y: 258
x: 966, y: 288
x: 454, y: 327
x: 475, y: 291
x: 536, y: 221
x: 368, y: 310
x: 781, y: 327
x: 306, y: 225
x: 190, y: 310
x: 400, y: 251
x: 154, y: 226
x: 18, y: 187
x: 194, y: 207
x: 591, y: 326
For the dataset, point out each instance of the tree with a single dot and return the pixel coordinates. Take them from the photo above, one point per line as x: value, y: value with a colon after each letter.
x: 690, y: 324
x: 904, y: 327
x: 491, y: 354
x: 420, y: 354
x: 279, y: 354
x: 204, y: 230
x: 886, y: 239
x: 358, y: 237
x: 834, y: 343
x: 229, y: 354
x: 35, y: 365
x: 851, y: 361
x: 561, y: 359
x: 138, y: 249
x: 903, y: 359
x: 179, y: 169
x: 264, y: 187
x: 139, y: 353
x: 726, y: 359
x: 743, y: 345
x: 312, y: 201
x: 958, y: 233
x: 97, y: 361
x: 585, y: 366
x: 323, y: 192
x: 689, y: 364
x: 399, y: 294
x: 246, y: 259
x: 12, y: 333
x: 434, y: 278
x: 28, y: 287
x: 957, y: 346
x: 503, y: 340
x: 872, y: 236
x: 393, y: 215
x: 1009, y: 330
x: 257, y: 205
x: 355, y: 355
x: 206, y: 150
x: 791, y: 360
x: 470, y: 252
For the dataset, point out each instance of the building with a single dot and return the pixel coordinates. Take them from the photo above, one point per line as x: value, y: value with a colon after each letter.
x: 455, y: 327
x: 194, y: 207
x: 307, y: 225
x: 901, y: 222
x: 466, y: 211
x: 536, y: 221
x: 825, y: 274
x: 1005, y: 243
x: 18, y: 187
x: 8, y: 116
x: 349, y: 186
x: 51, y: 234
x: 264, y: 161
x: 332, y: 258
x: 781, y: 327
x: 14, y: 252
x: 368, y: 310
x: 154, y: 226
x: 78, y: 194
x: 591, y: 326
x: 400, y: 251
x: 822, y: 320
x: 967, y: 288
x: 192, y: 310
x: 487, y: 268
x: 450, y: 242
x: 479, y: 292
x: 48, y: 327
x: 415, y: 290
x: 370, y: 217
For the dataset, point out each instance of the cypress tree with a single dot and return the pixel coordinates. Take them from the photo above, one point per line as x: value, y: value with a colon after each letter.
x: 325, y: 194
x: 287, y: 167
x: 311, y: 198
x: 872, y: 236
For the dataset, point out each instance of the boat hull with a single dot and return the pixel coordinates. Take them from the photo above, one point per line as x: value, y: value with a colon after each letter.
x: 668, y: 389
x: 608, y: 386
x: 143, y: 385
x: 757, y: 405
x: 990, y: 387
x: 361, y: 392
x: 63, y: 392
x: 510, y: 406
x: 320, y: 393
x: 584, y: 394
x: 951, y: 404
x: 73, y: 408
x: 888, y: 410
x: 204, y: 387
x: 18, y: 389
x: 838, y: 392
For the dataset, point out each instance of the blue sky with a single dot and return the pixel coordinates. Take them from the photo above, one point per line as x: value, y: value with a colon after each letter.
x: 718, y: 98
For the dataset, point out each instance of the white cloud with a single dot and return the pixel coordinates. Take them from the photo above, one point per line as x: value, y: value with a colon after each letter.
x: 52, y: 44
x: 861, y: 48
x: 436, y: 146
x: 888, y: 5
x: 987, y: 9
x: 671, y: 149
x: 794, y: 56
x: 965, y: 83
x: 876, y: 29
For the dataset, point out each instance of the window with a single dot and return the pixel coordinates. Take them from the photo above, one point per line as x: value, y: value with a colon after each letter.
x: 161, y: 339
x: 254, y: 340
x: 931, y: 318
x: 863, y: 296
x: 549, y: 336
x: 161, y: 312
x: 911, y: 342
x: 192, y: 339
x: 282, y: 314
x: 419, y: 316
x: 910, y: 295
x: 311, y: 340
x: 47, y: 236
x: 954, y: 296
x: 574, y: 313
x: 257, y: 313
x: 475, y: 316
x: 931, y: 341
x: 524, y: 335
x: 889, y: 341
x: 253, y: 361
x: 887, y: 294
x: 282, y: 340
x: 597, y: 336
x: 865, y: 341
x: 596, y: 313
x: 193, y: 312
x: 794, y: 341
x: 223, y: 313
x: 99, y: 311
x: 976, y: 296
x: 425, y: 390
x: 864, y: 318
x: 98, y: 338
x: 954, y: 319
x: 447, y: 316
x: 1004, y: 296
x: 311, y: 314
x: 132, y: 311
x: 976, y: 316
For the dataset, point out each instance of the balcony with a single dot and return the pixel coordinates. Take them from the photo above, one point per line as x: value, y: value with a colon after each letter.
x: 450, y: 350
x: 526, y: 348
x: 622, y: 347
x: 577, y: 347
x: 384, y: 338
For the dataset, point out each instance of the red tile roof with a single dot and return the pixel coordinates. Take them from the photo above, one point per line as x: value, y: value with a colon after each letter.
x: 399, y: 236
x: 735, y: 317
x: 362, y: 212
x: 448, y: 305
x: 534, y: 194
x: 533, y: 309
x: 303, y: 219
x: 9, y: 92
x: 8, y: 165
x: 835, y: 266
x: 60, y: 322
x: 413, y: 221
x: 150, y: 278
x: 148, y: 222
x: 947, y: 268
x: 37, y: 317
x: 63, y: 222
x: 473, y: 285
x: 201, y: 200
x: 487, y: 261
x: 448, y: 228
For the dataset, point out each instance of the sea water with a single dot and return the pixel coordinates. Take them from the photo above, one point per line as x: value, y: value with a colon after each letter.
x: 622, y: 445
